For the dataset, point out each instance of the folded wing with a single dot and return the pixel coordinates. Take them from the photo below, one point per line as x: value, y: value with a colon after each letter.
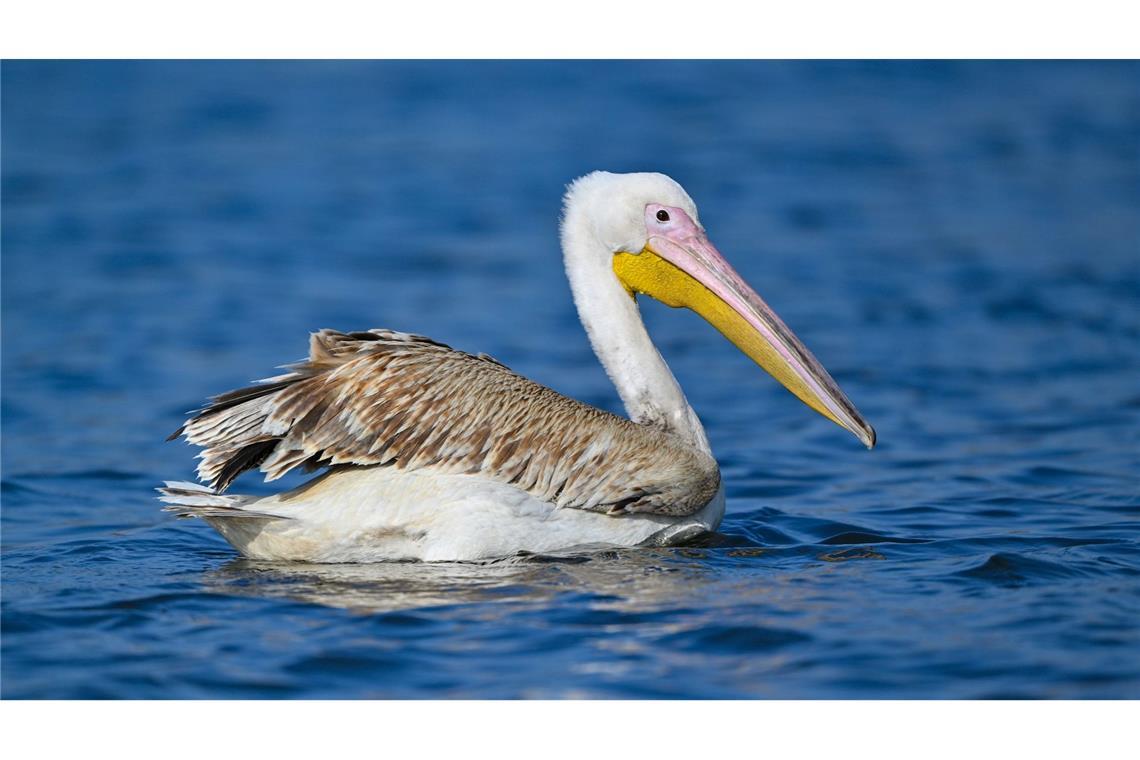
x: 385, y: 398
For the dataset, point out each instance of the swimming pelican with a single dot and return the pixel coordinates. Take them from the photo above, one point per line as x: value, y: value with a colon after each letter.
x: 436, y: 454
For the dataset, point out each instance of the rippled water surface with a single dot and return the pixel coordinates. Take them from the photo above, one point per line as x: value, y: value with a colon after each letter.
x: 958, y: 243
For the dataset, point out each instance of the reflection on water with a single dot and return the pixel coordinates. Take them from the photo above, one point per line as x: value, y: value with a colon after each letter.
x: 634, y: 580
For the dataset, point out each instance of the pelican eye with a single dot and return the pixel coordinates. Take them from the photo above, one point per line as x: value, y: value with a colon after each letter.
x: 662, y: 215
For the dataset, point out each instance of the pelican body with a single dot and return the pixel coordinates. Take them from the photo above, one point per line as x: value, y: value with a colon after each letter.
x: 439, y: 455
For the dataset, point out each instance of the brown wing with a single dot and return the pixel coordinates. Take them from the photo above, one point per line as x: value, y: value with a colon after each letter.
x: 392, y: 399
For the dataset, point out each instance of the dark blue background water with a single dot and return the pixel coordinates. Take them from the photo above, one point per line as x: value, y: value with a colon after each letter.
x: 958, y: 243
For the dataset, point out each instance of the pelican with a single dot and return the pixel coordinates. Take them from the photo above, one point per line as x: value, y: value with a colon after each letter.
x: 434, y: 454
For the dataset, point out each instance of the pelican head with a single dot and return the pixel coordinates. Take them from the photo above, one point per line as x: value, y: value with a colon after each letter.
x: 646, y: 227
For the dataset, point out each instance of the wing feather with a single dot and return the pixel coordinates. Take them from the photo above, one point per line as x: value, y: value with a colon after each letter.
x: 385, y: 398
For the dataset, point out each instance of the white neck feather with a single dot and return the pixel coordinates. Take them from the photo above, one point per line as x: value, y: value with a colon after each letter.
x: 613, y: 323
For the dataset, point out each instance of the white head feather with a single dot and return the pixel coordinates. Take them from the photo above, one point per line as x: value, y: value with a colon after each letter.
x: 610, y: 208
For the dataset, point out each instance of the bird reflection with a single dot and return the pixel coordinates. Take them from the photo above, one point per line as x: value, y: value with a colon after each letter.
x: 623, y: 579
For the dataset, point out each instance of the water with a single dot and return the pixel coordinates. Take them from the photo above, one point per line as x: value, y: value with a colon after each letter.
x: 958, y: 243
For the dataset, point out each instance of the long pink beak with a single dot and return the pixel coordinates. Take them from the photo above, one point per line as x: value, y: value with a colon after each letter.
x: 755, y: 328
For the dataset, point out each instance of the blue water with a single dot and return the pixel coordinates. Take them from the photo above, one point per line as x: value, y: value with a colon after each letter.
x: 959, y: 243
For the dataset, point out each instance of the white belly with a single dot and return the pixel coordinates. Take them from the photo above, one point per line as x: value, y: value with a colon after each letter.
x: 378, y: 514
